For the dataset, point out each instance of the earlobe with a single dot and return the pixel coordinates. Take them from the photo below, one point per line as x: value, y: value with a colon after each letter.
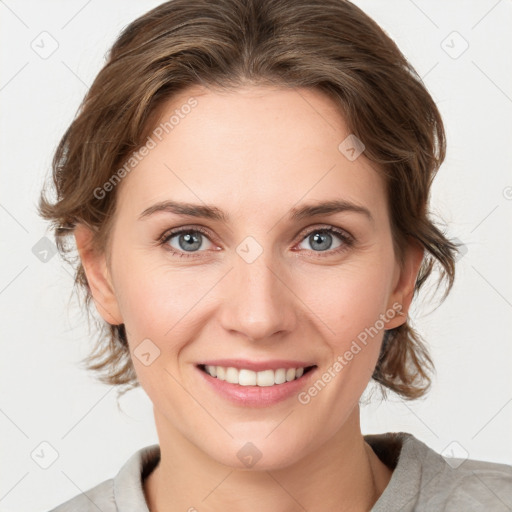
x: 404, y: 289
x: 98, y: 276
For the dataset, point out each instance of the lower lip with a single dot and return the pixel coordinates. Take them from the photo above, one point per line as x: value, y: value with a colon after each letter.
x: 257, y: 396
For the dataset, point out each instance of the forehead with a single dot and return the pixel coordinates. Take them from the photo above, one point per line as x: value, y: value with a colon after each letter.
x: 250, y: 148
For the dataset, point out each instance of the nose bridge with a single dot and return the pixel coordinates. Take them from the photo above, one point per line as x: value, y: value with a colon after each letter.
x: 259, y: 303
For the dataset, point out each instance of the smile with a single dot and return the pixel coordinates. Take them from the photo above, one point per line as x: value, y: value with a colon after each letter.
x: 246, y: 377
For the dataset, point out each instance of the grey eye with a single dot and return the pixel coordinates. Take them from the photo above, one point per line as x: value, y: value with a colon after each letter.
x: 188, y: 241
x: 321, y: 240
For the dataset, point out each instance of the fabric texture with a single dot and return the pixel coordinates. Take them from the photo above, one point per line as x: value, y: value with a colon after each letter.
x: 422, y: 481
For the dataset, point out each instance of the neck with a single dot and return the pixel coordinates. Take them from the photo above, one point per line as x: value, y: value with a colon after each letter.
x: 344, y: 475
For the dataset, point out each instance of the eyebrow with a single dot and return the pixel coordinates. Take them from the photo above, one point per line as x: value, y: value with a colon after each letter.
x: 295, y: 214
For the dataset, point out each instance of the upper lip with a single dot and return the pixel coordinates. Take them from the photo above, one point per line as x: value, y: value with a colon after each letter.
x: 256, y: 366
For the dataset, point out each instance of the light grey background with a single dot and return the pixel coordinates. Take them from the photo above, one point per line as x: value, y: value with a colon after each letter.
x: 47, y: 397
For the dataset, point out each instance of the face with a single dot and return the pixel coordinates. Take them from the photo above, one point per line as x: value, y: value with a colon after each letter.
x: 260, y: 281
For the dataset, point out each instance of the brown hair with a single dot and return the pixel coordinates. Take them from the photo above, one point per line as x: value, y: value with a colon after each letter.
x: 329, y: 45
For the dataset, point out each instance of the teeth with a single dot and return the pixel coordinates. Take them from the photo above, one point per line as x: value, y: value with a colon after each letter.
x: 291, y: 373
x: 245, y: 377
x: 280, y: 376
x: 265, y: 378
x: 232, y: 375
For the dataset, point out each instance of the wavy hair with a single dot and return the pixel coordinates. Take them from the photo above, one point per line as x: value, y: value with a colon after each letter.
x: 329, y: 45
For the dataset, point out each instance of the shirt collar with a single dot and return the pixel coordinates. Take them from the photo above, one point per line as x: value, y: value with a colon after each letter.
x: 128, y: 486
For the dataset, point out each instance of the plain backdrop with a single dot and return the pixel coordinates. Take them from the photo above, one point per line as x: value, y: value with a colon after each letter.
x: 50, y: 52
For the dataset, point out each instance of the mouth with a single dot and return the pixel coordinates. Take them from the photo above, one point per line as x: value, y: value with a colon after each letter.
x: 256, y: 384
x: 268, y: 377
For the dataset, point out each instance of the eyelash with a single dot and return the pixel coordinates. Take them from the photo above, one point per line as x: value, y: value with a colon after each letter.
x: 347, y: 239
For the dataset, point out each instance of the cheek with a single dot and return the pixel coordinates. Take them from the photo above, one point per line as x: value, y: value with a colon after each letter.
x: 158, y: 304
x: 348, y: 304
x: 348, y: 298
x: 153, y: 294
x: 152, y: 298
x: 157, y: 310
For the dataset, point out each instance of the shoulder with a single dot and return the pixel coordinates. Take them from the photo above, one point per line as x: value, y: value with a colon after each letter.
x: 123, y: 492
x: 100, y: 497
x: 423, y: 479
x: 472, y: 485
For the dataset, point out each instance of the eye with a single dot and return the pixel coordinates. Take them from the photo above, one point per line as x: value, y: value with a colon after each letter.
x: 321, y: 240
x: 187, y: 240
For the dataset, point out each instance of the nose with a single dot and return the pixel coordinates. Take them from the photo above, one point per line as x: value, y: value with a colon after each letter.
x: 259, y: 301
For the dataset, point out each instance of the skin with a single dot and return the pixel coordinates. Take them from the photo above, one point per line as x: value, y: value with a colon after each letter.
x: 255, y: 152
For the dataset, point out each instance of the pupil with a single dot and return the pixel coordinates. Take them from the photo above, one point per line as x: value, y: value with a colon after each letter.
x: 317, y: 238
x: 191, y: 242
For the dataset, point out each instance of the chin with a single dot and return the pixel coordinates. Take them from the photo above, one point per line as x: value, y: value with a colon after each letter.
x: 259, y: 453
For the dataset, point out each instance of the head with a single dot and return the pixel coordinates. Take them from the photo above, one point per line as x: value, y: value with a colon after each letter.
x: 250, y: 111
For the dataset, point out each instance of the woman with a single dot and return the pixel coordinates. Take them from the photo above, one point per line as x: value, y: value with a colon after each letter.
x: 247, y: 183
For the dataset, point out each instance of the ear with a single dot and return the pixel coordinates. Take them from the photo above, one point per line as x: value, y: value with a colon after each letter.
x: 405, y: 283
x: 98, y: 276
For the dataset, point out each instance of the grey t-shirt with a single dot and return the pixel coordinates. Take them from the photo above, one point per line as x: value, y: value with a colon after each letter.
x: 422, y: 481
